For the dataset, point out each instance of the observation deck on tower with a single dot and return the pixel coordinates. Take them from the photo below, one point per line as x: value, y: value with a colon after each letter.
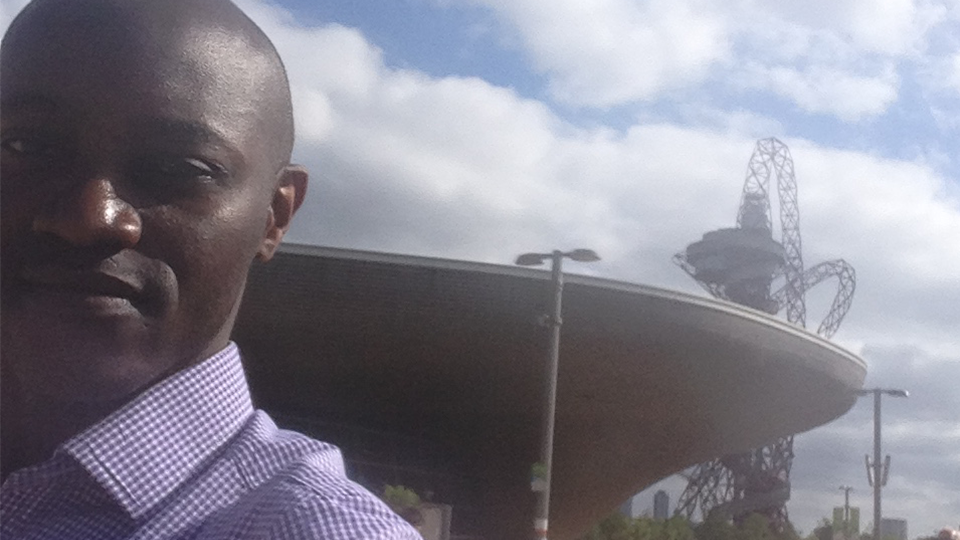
x: 741, y: 262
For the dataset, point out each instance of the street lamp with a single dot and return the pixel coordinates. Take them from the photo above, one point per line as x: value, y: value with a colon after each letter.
x: 878, y: 477
x: 541, y: 519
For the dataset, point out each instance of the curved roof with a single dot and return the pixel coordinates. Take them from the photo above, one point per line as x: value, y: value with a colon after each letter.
x: 650, y: 380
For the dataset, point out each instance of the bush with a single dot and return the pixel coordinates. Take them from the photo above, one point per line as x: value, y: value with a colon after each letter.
x: 399, y: 498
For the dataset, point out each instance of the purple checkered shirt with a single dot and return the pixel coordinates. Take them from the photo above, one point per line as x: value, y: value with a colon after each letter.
x: 190, y: 459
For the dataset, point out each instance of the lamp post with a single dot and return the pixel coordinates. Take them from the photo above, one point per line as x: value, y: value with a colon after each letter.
x: 553, y: 320
x: 878, y: 477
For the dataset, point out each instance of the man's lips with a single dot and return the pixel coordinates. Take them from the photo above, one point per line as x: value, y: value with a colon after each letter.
x: 89, y: 283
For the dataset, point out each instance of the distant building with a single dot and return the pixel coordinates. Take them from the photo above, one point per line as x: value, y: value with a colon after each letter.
x: 893, y: 529
x: 631, y: 507
x: 661, y: 505
x: 846, y: 526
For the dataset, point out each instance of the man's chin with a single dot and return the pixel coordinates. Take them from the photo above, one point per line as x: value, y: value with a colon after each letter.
x: 85, y: 379
x: 98, y: 360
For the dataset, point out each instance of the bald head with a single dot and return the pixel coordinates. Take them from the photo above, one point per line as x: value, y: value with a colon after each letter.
x: 208, y: 47
x: 146, y: 145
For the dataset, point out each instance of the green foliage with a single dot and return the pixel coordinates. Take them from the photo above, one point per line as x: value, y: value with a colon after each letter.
x: 614, y: 526
x: 823, y: 530
x: 818, y: 531
x: 756, y: 527
x: 620, y: 527
x: 788, y: 533
x: 676, y: 528
x: 399, y: 498
x: 716, y: 528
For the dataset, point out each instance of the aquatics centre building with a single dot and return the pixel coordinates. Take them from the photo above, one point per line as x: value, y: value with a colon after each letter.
x: 428, y: 373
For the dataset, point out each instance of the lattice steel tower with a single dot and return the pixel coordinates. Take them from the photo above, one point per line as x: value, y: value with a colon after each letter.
x: 743, y: 265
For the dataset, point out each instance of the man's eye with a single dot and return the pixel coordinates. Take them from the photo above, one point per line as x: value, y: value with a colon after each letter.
x: 182, y: 172
x: 174, y: 177
x: 186, y: 168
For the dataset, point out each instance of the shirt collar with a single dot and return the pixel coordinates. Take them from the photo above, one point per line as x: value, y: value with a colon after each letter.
x: 146, y: 449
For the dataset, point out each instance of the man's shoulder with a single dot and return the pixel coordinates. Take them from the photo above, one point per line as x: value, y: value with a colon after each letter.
x: 298, y: 489
x: 307, y: 502
x: 262, y: 451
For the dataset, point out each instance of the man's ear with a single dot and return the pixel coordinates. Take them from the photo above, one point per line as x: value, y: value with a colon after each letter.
x: 287, y: 198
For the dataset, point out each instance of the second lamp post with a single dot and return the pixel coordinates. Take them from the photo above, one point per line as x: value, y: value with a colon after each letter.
x: 877, y: 471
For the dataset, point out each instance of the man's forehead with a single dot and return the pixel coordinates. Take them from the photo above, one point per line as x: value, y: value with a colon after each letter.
x: 204, y: 56
x: 197, y: 71
x: 137, y: 24
x: 90, y: 46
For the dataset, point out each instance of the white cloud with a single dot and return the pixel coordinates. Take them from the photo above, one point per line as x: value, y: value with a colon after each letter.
x: 835, y: 57
x: 614, y: 51
x: 824, y: 89
x: 895, y: 27
x: 619, y: 51
x: 952, y: 69
x: 887, y: 27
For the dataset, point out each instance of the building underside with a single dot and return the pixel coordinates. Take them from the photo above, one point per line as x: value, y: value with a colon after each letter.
x: 428, y: 373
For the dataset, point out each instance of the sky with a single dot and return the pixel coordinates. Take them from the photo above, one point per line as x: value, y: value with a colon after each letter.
x: 480, y: 129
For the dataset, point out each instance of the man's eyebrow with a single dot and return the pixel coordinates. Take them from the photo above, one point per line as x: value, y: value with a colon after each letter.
x: 185, y: 134
x: 184, y: 131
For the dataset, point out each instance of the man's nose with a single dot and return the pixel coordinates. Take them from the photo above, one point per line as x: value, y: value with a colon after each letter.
x: 91, y: 214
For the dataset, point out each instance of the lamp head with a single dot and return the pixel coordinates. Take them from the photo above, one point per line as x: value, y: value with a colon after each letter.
x: 895, y: 392
x: 582, y: 255
x: 530, y: 259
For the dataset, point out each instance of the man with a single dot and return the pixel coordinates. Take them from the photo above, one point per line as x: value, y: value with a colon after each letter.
x: 145, y: 165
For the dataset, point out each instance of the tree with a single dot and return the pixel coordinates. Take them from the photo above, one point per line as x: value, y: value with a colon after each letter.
x: 752, y: 527
x: 823, y: 530
x: 405, y: 502
x: 788, y: 533
x: 400, y: 497
x: 676, y: 528
x: 614, y: 527
x: 716, y: 527
x: 756, y: 527
x: 619, y: 527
